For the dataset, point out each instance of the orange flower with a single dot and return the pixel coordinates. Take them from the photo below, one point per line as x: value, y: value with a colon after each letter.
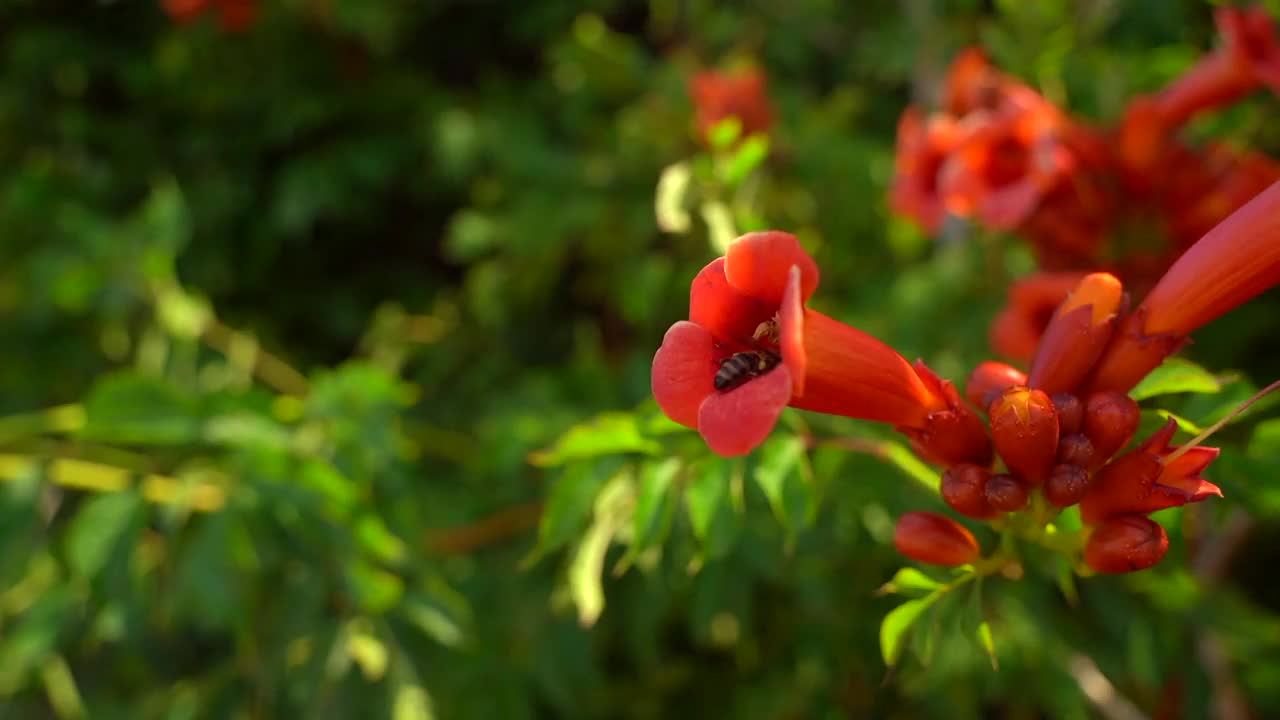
x: 718, y: 96
x: 1143, y: 481
x: 1237, y: 260
x: 1077, y: 334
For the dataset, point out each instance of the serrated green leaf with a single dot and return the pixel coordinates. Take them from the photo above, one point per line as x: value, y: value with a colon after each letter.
x: 607, y: 434
x: 654, y: 503
x: 97, y: 529
x: 908, y: 581
x: 1176, y: 375
x: 895, y: 626
x: 778, y: 475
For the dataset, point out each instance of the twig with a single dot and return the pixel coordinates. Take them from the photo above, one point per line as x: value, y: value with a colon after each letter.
x: 489, y: 530
x: 270, y: 369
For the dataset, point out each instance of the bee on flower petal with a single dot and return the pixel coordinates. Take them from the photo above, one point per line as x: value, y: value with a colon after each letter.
x: 741, y: 367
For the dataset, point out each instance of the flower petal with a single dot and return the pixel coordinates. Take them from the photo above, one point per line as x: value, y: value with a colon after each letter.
x: 683, y: 372
x: 791, y: 332
x: 758, y: 264
x: 727, y: 313
x: 735, y: 422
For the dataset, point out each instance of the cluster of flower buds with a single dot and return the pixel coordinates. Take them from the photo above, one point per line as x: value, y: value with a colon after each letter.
x: 720, y: 95
x: 1084, y: 197
x: 1055, y: 433
x: 234, y: 15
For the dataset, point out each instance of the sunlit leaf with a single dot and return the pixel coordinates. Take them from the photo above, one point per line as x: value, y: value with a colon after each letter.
x: 669, y: 201
x: 607, y: 434
x: 725, y: 133
x: 97, y: 529
x: 897, y: 624
x: 131, y: 408
x: 710, y: 512
x: 988, y: 643
x: 909, y: 581
x: 1176, y: 375
x: 746, y: 158
x: 586, y: 568
x: 411, y: 703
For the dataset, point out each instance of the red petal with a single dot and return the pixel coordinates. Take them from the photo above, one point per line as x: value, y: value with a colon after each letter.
x: 791, y: 332
x: 758, y: 264
x: 684, y: 371
x: 735, y: 422
x: 726, y: 312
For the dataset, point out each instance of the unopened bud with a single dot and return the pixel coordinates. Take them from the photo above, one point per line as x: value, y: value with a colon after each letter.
x: 1066, y: 485
x: 1024, y: 428
x: 1126, y: 543
x: 988, y: 380
x: 1110, y: 419
x: 1077, y: 334
x: 1075, y: 449
x: 1070, y: 412
x: 1006, y: 493
x: 934, y: 539
x: 964, y: 489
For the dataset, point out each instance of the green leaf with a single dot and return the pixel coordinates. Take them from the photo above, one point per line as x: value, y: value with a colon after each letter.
x: 988, y: 643
x: 1265, y: 441
x: 669, y: 202
x: 710, y: 512
x: 909, y: 581
x: 97, y: 529
x: 376, y: 590
x: 374, y: 537
x: 746, y: 158
x: 434, y: 623
x: 568, y: 506
x: 587, y: 566
x: 1184, y: 424
x: 607, y: 434
x: 654, y: 503
x: 895, y: 626
x: 412, y: 703
x: 135, y: 409
x: 1176, y: 375
x: 725, y: 133
x: 778, y: 473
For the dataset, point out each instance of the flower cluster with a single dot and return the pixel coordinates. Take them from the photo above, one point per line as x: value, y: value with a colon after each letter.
x: 234, y: 15
x: 1085, y: 197
x: 1054, y: 435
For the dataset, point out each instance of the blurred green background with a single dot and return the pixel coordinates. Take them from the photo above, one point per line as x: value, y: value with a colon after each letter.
x: 287, y: 313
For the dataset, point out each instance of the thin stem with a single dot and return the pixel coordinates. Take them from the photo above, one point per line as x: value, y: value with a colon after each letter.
x: 1218, y: 425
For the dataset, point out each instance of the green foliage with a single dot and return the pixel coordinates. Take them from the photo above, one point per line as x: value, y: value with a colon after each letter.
x: 326, y: 372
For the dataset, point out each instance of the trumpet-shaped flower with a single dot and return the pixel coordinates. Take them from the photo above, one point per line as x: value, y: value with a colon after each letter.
x: 752, y: 300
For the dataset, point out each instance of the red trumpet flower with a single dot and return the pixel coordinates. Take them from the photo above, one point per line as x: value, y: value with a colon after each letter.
x: 1236, y: 261
x: 923, y: 145
x: 235, y: 15
x: 1145, y: 480
x: 752, y: 300
x: 718, y: 96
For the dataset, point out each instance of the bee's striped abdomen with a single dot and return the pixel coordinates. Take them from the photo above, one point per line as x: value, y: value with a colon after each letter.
x: 741, y: 367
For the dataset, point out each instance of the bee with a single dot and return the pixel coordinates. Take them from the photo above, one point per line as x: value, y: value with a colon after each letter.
x: 741, y: 367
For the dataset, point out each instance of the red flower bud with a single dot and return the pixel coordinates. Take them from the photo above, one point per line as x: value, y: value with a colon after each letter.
x: 964, y: 488
x: 952, y: 435
x: 1075, y: 449
x: 1006, y: 493
x: 1077, y: 334
x: 1066, y: 485
x: 990, y: 379
x: 1024, y: 427
x: 1070, y: 412
x: 1110, y: 419
x: 1126, y: 543
x: 934, y: 539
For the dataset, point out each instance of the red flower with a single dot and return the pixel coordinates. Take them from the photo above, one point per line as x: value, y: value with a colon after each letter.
x: 1016, y: 331
x: 1007, y: 162
x: 1237, y: 260
x: 718, y: 96
x: 1142, y: 481
x: 923, y: 145
x: 1126, y: 543
x: 1248, y: 59
x: 1077, y: 334
x: 752, y: 300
